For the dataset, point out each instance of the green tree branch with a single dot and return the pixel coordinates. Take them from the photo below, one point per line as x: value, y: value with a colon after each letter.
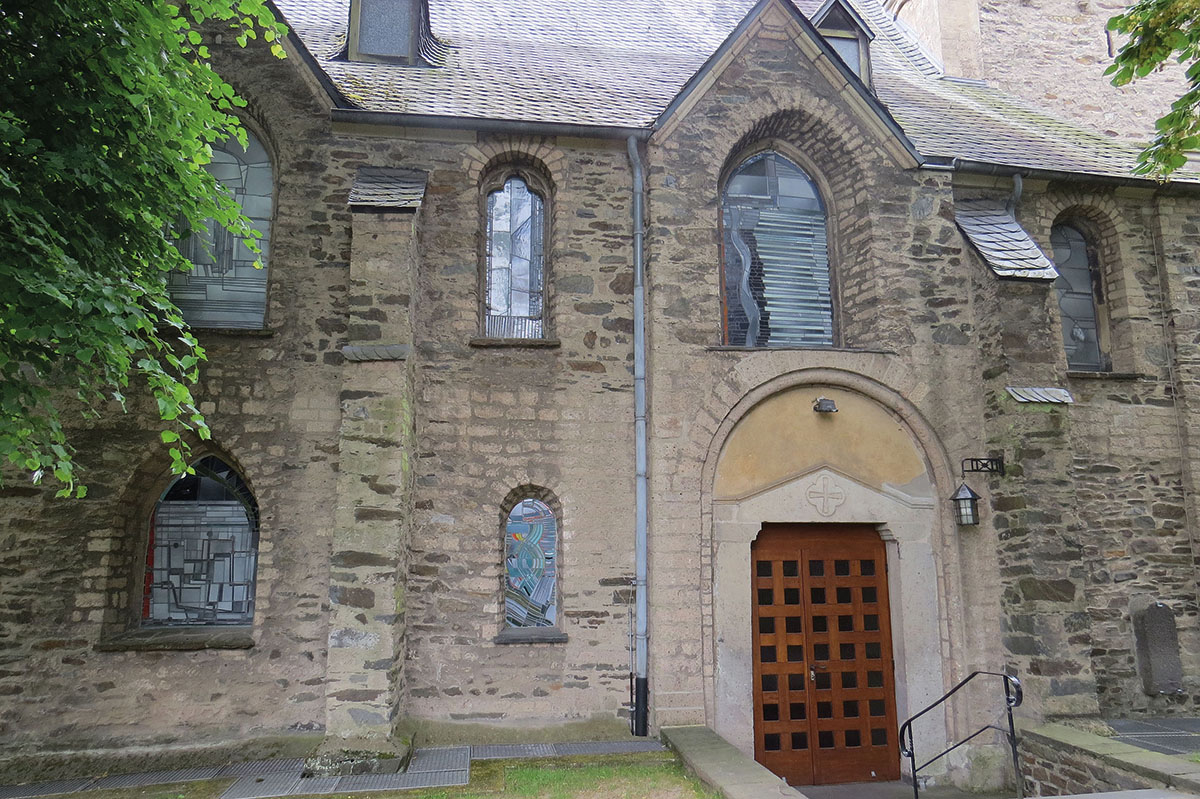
x: 1159, y: 31
x: 109, y: 111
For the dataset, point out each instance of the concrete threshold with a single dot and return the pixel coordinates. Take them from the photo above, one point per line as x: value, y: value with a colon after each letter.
x: 725, y: 768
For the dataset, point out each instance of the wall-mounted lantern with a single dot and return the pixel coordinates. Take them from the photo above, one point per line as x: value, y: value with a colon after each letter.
x: 966, y: 505
x: 825, y: 405
x: 966, y: 501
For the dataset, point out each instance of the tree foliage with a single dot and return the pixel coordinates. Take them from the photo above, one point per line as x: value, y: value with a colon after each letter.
x: 1159, y: 31
x: 108, y: 110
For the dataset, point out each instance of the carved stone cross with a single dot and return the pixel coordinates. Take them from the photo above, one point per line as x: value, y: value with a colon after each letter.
x: 825, y: 496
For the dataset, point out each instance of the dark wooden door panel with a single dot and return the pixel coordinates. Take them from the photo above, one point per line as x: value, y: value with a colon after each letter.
x: 825, y: 709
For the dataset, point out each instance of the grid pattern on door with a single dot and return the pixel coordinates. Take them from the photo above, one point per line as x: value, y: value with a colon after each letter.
x: 824, y: 692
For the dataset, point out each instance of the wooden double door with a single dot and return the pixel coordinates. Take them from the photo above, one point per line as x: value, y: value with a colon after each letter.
x: 824, y: 685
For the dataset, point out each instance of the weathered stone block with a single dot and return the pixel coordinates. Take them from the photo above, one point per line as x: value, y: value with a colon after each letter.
x: 1157, y: 644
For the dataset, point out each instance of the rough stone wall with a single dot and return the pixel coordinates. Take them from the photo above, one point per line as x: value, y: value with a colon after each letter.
x: 1126, y: 469
x: 948, y: 29
x: 1091, y: 517
x: 71, y: 571
x: 555, y: 415
x: 1052, y: 769
x: 1053, y: 53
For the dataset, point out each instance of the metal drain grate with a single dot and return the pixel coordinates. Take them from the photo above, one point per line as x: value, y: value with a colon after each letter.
x: 397, y: 782
x: 156, y: 778
x: 608, y: 748
x: 440, y: 759
x: 506, y: 751
x: 262, y: 787
x: 43, y: 788
x: 256, y: 768
x: 314, y: 785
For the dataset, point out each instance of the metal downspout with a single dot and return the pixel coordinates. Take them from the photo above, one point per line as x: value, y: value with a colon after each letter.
x: 641, y: 702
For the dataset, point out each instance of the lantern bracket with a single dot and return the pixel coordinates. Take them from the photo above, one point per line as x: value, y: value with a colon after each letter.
x: 988, y: 465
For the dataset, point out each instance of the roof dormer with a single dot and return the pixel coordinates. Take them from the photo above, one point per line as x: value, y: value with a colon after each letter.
x: 389, y: 32
x: 848, y: 34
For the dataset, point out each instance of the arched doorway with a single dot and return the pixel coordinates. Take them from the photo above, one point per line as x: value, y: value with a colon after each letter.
x: 853, y: 477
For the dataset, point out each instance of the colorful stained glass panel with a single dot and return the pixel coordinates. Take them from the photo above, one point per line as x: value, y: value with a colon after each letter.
x: 531, y: 552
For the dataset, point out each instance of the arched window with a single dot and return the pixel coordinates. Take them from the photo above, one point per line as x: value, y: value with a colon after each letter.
x: 1080, y: 300
x: 514, y: 295
x: 203, y: 550
x: 224, y: 289
x: 531, y: 566
x: 776, y: 289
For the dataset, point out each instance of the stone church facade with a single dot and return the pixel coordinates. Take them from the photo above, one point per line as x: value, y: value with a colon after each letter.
x: 437, y: 408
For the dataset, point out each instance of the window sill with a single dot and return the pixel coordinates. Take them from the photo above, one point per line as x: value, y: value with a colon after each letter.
x: 178, y: 639
x: 1089, y: 375
x: 531, y: 635
x: 517, y: 343
x: 812, y: 348
x: 248, y: 332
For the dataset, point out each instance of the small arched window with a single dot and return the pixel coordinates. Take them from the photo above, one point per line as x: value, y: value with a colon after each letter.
x: 203, y: 550
x: 515, y: 290
x: 776, y: 287
x: 224, y: 288
x: 1080, y: 300
x: 531, y: 566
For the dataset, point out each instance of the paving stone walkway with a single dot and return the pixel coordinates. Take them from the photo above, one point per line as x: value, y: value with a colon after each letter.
x: 432, y: 767
x: 1168, y: 736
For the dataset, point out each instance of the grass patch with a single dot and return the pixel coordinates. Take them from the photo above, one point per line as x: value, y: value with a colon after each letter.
x: 652, y: 775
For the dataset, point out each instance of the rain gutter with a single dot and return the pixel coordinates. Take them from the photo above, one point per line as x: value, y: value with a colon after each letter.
x: 518, y: 126
x: 641, y: 684
x: 948, y: 163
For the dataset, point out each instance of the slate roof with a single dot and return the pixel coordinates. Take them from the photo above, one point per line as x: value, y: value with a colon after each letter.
x: 620, y: 63
x: 1000, y: 239
x: 382, y: 187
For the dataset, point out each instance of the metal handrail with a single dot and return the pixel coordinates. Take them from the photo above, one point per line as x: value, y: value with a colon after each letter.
x: 1012, y: 698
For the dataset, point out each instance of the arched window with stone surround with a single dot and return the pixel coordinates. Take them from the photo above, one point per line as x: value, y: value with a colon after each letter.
x: 776, y: 289
x: 1080, y: 291
x: 514, y: 292
x: 202, y: 553
x: 225, y: 289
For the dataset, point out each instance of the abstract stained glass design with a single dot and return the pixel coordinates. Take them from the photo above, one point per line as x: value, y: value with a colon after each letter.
x: 1077, y: 290
x: 531, y: 550
x: 224, y: 289
x: 776, y: 282
x: 201, y: 559
x: 515, y: 297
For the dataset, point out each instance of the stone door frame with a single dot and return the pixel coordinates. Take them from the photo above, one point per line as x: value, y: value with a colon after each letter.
x: 924, y: 569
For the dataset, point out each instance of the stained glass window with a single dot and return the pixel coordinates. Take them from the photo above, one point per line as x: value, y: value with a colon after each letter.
x: 776, y: 281
x: 515, y: 296
x: 224, y: 289
x: 531, y: 552
x: 1078, y: 287
x: 203, y: 550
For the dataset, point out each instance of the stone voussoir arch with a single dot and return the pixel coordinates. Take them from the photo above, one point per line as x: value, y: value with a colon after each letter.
x: 538, y: 153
